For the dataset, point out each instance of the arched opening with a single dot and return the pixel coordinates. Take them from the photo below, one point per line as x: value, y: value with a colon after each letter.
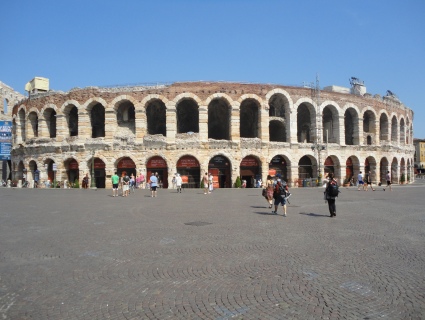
x: 33, y: 119
x: 330, y: 124
x: 383, y: 127
x: 394, y: 130
x: 383, y: 168
x: 99, y: 172
x: 126, y: 166
x: 72, y: 119
x: 187, y: 116
x: 349, y: 169
x: 369, y: 126
x: 190, y: 171
x: 370, y: 166
x: 368, y: 140
x: 97, y: 116
x: 402, y: 132
x: 351, y: 127
x: 220, y: 168
x: 50, y: 117
x: 218, y: 120
x: 305, y: 171
x: 156, y: 117
x: 72, y: 172
x: 329, y: 166
x: 249, y: 119
x: 305, y: 126
x: 49, y: 165
x: 250, y: 170
x: 20, y: 173
x: 33, y: 173
x: 21, y: 121
x: 394, y: 170
x: 158, y: 165
x: 279, y: 165
x: 277, y: 131
x: 126, y: 117
x: 403, y: 176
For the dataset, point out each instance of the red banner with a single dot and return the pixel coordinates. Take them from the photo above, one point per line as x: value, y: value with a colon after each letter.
x: 126, y: 163
x: 156, y: 162
x: 187, y: 162
x: 249, y: 162
x: 73, y: 165
x: 99, y: 164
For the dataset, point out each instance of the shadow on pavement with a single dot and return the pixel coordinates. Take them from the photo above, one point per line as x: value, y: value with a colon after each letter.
x: 312, y: 214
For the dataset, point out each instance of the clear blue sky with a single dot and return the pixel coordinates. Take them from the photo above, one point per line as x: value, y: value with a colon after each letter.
x: 83, y: 43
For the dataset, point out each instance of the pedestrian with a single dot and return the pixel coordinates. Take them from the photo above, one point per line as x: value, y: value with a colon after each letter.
x: 132, y: 182
x: 360, y: 181
x: 154, y: 184
x: 388, y: 178
x: 179, y: 182
x: 269, y: 191
x: 205, y: 182
x: 142, y: 180
x: 174, y: 181
x: 125, y: 185
x: 280, y: 193
x: 331, y: 192
x: 368, y: 181
x: 85, y: 183
x: 115, y: 181
x: 210, y: 183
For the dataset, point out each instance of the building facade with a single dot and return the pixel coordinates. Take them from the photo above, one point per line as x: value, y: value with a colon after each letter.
x: 419, y: 155
x: 230, y: 129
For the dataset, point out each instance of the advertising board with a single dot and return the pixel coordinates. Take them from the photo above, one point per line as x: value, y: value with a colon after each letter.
x: 5, y: 139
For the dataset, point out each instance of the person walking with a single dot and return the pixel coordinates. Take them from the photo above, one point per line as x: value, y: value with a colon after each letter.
x: 388, y: 178
x: 174, y: 181
x: 132, y: 182
x: 279, y: 194
x: 360, y: 182
x: 368, y: 181
x: 85, y: 183
x: 154, y: 184
x: 269, y: 191
x: 205, y: 181
x: 210, y: 183
x: 115, y: 181
x: 142, y: 180
x: 179, y: 182
x: 331, y: 193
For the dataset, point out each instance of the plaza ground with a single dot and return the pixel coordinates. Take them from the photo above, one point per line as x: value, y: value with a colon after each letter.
x: 83, y: 254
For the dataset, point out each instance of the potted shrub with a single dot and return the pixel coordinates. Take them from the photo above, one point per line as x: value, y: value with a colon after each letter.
x: 238, y: 182
x: 402, y: 178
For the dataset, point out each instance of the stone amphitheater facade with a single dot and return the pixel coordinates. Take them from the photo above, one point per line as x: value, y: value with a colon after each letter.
x: 230, y: 129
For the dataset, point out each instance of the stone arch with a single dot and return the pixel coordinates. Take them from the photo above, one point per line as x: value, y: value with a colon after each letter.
x: 279, y: 105
x: 351, y: 126
x: 21, y: 124
x: 50, y: 115
x: 394, y: 170
x: 220, y: 166
x: 402, y: 131
x: 369, y: 128
x: 33, y: 122
x: 219, y: 117
x: 219, y: 95
x: 250, y: 117
x: 306, y: 167
x: 156, y: 116
x: 330, y: 122
x: 383, y: 127
x: 278, y: 91
x: 306, y: 122
x: 96, y: 110
x: 332, y: 164
x: 394, y: 129
x: 187, y: 114
x: 371, y: 165
x: 126, y: 116
x: 281, y: 164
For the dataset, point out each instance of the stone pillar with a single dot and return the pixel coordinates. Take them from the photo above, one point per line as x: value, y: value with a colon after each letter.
x: 84, y: 125
x: 203, y: 123
x: 377, y: 138
x: 293, y: 176
x: 292, y: 128
x: 264, y: 134
x: 235, y: 135
x: 61, y: 128
x: 141, y: 124
x: 171, y: 120
x: 110, y: 124
x: 358, y: 133
x: 43, y: 131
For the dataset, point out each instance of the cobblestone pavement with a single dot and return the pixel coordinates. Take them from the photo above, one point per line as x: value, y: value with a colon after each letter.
x: 75, y: 254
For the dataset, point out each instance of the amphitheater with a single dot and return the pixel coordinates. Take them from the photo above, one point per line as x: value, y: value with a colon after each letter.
x: 229, y: 129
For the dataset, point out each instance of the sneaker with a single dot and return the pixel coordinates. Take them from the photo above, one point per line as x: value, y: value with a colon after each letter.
x: 274, y: 212
x: 284, y: 214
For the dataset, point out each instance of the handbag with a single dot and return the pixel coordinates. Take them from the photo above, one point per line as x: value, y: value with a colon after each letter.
x: 264, y: 193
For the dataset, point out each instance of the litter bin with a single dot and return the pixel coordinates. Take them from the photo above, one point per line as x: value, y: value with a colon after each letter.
x: 304, y: 183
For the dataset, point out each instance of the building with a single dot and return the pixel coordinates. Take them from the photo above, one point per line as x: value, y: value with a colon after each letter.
x: 419, y: 155
x: 230, y: 129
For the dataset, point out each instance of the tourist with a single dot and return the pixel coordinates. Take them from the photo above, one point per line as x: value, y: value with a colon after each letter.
x: 179, y: 182
x: 205, y: 182
x: 368, y: 182
x: 331, y: 193
x: 154, y: 184
x: 85, y: 183
x: 125, y: 185
x: 115, y: 181
x: 360, y: 182
x: 388, y: 178
x: 269, y: 191
x: 280, y: 193
x: 173, y: 182
x: 210, y: 183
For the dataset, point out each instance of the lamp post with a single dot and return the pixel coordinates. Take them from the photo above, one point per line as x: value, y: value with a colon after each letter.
x: 319, y: 148
x: 92, y: 184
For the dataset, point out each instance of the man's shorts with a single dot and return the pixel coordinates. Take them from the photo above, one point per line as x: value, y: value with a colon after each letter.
x: 154, y: 188
x: 125, y: 187
x: 115, y: 186
x: 280, y: 200
x: 361, y: 182
x: 388, y: 182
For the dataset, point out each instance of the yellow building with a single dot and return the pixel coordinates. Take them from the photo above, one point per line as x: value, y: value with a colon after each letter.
x: 419, y: 154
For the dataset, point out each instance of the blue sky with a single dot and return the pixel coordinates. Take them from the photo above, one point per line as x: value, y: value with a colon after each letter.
x: 83, y: 43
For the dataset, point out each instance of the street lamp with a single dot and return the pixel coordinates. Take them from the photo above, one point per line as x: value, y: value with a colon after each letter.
x: 92, y: 184
x: 319, y: 148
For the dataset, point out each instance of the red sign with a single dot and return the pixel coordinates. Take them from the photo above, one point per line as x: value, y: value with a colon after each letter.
x: 249, y: 162
x: 187, y: 162
x: 349, y: 162
x: 126, y: 163
x: 329, y: 162
x: 73, y: 165
x: 99, y: 164
x: 156, y: 162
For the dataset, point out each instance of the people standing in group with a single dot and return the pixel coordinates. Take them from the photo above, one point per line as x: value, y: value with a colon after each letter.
x: 388, y: 178
x: 269, y: 191
x: 331, y: 193
x: 205, y: 182
x: 279, y: 194
x: 115, y: 181
x: 85, y: 183
x: 360, y: 182
x: 179, y: 182
x: 368, y: 182
x: 210, y: 183
x: 153, y: 184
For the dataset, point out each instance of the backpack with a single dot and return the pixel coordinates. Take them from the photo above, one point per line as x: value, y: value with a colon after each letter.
x: 282, y: 189
x: 333, y: 189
